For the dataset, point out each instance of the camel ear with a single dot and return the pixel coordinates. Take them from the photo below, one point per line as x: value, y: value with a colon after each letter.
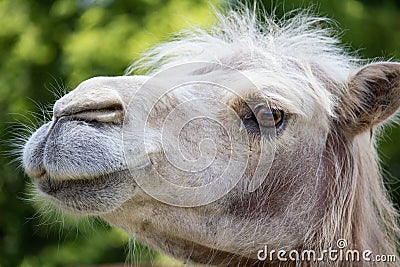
x: 372, y: 96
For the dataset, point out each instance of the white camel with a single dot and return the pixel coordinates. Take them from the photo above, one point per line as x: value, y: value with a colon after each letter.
x: 239, y: 142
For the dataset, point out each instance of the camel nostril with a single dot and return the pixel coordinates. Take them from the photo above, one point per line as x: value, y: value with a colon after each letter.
x: 112, y: 114
x: 102, y: 105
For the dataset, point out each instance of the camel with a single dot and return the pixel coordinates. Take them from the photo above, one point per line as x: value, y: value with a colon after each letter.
x: 249, y: 144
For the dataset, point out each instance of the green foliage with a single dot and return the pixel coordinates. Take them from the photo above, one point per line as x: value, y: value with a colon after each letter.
x: 48, y: 46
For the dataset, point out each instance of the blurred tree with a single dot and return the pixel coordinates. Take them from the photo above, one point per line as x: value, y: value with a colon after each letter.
x: 48, y: 46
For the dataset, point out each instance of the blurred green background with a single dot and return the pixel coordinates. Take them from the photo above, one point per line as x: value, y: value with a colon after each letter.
x: 51, y: 46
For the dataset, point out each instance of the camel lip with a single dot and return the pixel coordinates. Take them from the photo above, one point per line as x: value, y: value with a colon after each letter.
x: 85, y: 196
x: 46, y: 181
x: 45, y: 175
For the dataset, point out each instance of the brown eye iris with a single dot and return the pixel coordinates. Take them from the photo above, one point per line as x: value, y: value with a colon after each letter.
x: 269, y: 117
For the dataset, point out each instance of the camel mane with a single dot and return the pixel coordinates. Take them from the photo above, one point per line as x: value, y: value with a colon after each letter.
x: 295, y: 44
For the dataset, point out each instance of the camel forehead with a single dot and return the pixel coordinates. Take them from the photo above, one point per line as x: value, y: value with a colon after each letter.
x: 297, y: 91
x: 293, y: 93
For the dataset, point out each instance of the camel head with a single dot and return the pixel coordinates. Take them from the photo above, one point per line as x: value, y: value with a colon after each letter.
x: 246, y: 136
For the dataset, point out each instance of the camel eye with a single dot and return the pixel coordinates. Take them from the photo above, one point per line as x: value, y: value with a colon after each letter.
x: 267, y: 117
x: 262, y: 120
